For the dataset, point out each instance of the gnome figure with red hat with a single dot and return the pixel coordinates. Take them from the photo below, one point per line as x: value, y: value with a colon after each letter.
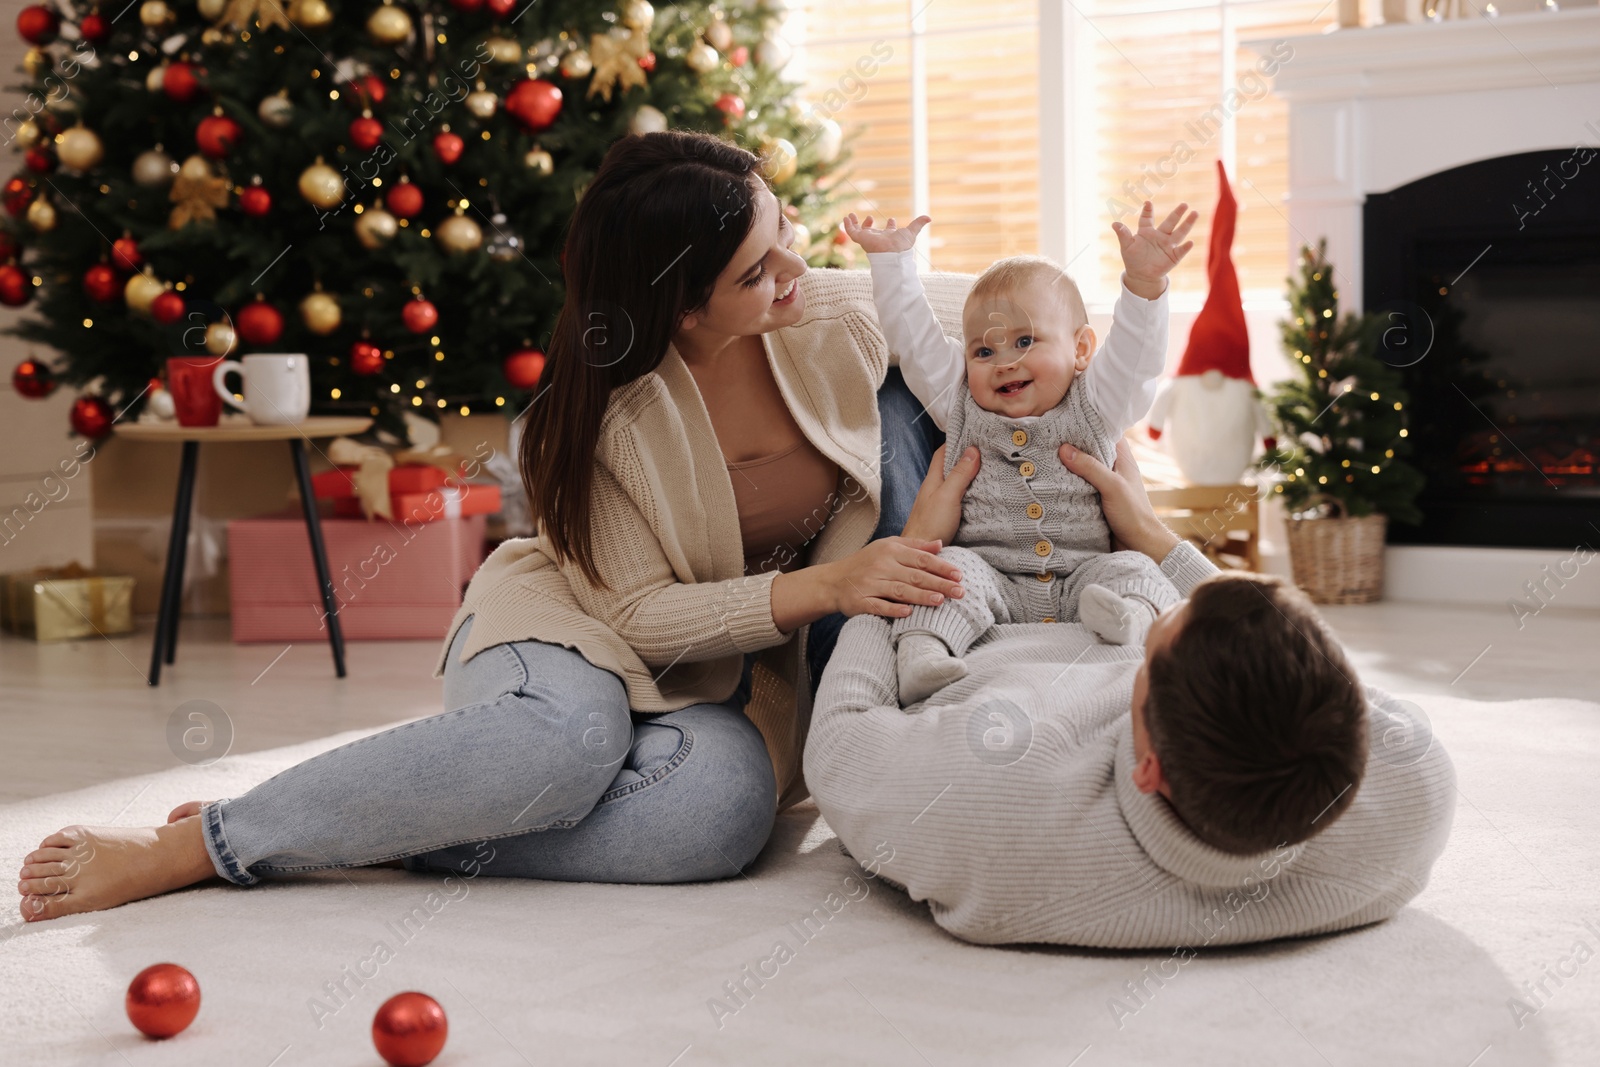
x: 1210, y: 413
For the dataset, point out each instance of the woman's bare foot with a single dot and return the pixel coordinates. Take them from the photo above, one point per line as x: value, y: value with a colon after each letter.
x: 90, y: 868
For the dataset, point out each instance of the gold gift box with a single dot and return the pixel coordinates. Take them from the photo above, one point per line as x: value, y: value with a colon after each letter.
x: 59, y: 603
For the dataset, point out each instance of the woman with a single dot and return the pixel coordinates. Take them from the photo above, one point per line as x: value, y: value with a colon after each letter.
x: 707, y: 469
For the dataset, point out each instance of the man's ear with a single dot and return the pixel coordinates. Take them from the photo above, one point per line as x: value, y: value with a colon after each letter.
x: 1083, y: 347
x: 1147, y: 776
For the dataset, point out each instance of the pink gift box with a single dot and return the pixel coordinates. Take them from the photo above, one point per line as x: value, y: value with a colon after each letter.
x: 390, y: 581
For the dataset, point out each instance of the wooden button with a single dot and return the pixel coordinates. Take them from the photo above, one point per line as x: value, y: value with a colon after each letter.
x: 1035, y: 510
x: 1046, y: 576
x: 1025, y: 468
x: 1019, y: 437
x: 1042, y: 548
x: 1048, y: 618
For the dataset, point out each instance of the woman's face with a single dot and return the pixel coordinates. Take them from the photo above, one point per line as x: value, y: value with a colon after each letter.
x: 759, y: 290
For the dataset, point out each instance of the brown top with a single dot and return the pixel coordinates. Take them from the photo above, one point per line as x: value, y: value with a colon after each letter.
x: 784, y: 499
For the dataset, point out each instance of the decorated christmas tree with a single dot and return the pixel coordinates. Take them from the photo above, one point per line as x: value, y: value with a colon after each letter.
x: 383, y: 186
x: 1341, y: 424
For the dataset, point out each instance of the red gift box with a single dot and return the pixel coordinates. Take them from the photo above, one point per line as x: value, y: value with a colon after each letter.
x: 406, y: 478
x: 474, y: 499
x: 399, y: 580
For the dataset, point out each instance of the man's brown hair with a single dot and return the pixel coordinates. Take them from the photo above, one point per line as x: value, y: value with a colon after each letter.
x: 1256, y: 716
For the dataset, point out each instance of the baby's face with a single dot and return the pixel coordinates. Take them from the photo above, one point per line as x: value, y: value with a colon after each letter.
x: 1023, y: 350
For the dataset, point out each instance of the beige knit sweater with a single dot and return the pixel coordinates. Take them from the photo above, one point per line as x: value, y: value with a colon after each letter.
x: 681, y: 613
x: 1007, y: 803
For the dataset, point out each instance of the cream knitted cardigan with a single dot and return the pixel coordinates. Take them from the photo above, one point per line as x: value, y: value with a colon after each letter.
x: 680, y: 613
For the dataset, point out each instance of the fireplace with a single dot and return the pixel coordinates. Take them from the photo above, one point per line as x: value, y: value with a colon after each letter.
x: 1487, y: 277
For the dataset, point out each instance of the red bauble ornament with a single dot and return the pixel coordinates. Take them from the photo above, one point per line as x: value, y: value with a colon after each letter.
x: 371, y: 88
x: 39, y: 160
x: 163, y: 998
x: 101, y: 282
x: 91, y: 417
x: 448, y: 147
x: 15, y: 286
x: 739, y: 56
x: 647, y: 62
x: 167, y: 308
x: 731, y: 105
x: 366, y: 132
x: 217, y: 135
x: 534, y: 103
x: 469, y: 6
x: 419, y: 315
x: 33, y: 379
x: 17, y: 196
x: 38, y: 24
x: 125, y: 253
x: 8, y: 245
x: 259, y: 323
x: 523, y: 367
x: 409, y: 1029
x: 501, y: 8
x: 404, y: 200
x: 181, y: 82
x: 254, y: 200
x: 366, y: 358
x: 94, y: 27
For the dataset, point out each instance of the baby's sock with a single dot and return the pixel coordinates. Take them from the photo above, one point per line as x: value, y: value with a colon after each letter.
x: 925, y: 666
x: 1116, y: 620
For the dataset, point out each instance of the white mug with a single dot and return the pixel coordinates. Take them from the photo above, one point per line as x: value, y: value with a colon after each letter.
x: 277, y: 388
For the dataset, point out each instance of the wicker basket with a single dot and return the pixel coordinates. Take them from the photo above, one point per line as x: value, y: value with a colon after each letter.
x: 1338, y: 560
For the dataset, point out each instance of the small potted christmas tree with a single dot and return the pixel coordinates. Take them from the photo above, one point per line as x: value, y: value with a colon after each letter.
x: 1341, y: 437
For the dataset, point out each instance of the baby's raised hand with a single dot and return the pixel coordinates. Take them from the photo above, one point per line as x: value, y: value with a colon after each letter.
x: 1153, y: 251
x: 888, y: 239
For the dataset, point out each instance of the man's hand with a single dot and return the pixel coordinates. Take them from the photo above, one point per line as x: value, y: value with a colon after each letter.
x: 1134, y: 524
x: 1148, y: 256
x: 888, y: 239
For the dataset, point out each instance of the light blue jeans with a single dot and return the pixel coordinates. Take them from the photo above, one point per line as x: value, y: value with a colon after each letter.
x: 539, y: 770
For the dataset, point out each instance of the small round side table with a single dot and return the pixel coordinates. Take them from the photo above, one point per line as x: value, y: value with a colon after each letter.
x: 166, y: 638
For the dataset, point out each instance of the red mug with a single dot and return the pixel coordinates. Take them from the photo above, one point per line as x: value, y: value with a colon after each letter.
x: 193, y: 396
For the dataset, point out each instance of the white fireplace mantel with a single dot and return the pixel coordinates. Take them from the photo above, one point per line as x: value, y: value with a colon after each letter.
x: 1373, y: 109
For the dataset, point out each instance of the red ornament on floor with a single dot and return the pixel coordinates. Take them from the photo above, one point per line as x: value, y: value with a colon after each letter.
x: 419, y: 315
x: 38, y: 24
x: 366, y: 358
x: 101, y: 283
x: 163, y: 998
x: 259, y: 323
x: 523, y: 367
x: 404, y: 200
x: 409, y: 1030
x: 14, y: 286
x: 33, y: 379
x: 167, y: 308
x: 216, y: 135
x: 91, y: 416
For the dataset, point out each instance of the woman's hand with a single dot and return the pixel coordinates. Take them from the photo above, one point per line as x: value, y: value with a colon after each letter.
x: 1133, y: 522
x: 936, y: 513
x: 890, y: 575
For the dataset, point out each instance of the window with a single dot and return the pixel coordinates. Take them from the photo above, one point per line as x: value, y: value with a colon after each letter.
x: 1145, y: 96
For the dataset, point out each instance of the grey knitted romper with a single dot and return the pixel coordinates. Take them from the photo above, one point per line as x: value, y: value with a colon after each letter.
x: 1032, y: 533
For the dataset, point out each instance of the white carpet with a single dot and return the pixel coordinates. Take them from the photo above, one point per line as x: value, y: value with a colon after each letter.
x: 546, y: 973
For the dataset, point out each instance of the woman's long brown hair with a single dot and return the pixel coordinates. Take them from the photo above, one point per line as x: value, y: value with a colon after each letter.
x: 657, y: 225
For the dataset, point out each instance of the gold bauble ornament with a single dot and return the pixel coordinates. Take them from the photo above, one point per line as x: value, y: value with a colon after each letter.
x: 504, y: 50
x: 773, y: 53
x: 458, y: 234
x: 539, y: 161
x: 42, y: 215
x: 153, y: 168
x: 576, y: 64
x: 702, y: 58
x: 389, y: 24
x: 155, y: 13
x: 828, y: 140
x: 647, y: 120
x: 212, y: 9
x: 36, y: 62
x: 481, y: 103
x: 141, y: 291
x: 638, y: 15
x: 79, y: 148
x: 211, y: 37
x: 311, y: 14
x: 153, y: 80
x: 320, y: 312
x: 376, y: 228
x: 195, y: 169
x: 276, y: 110
x: 719, y: 35
x: 321, y: 185
x: 802, y: 237
x: 29, y: 135
x: 220, y: 338
x: 778, y: 159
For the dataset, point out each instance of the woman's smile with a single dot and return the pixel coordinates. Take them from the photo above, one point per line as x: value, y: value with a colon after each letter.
x: 788, y: 294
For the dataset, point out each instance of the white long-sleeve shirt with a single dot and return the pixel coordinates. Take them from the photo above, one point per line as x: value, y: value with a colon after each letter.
x: 1120, y: 382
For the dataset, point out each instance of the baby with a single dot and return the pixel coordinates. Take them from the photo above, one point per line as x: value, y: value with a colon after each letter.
x: 1033, y: 543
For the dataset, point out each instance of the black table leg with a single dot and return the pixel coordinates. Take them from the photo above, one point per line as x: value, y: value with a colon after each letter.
x: 330, y: 604
x: 166, y: 636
